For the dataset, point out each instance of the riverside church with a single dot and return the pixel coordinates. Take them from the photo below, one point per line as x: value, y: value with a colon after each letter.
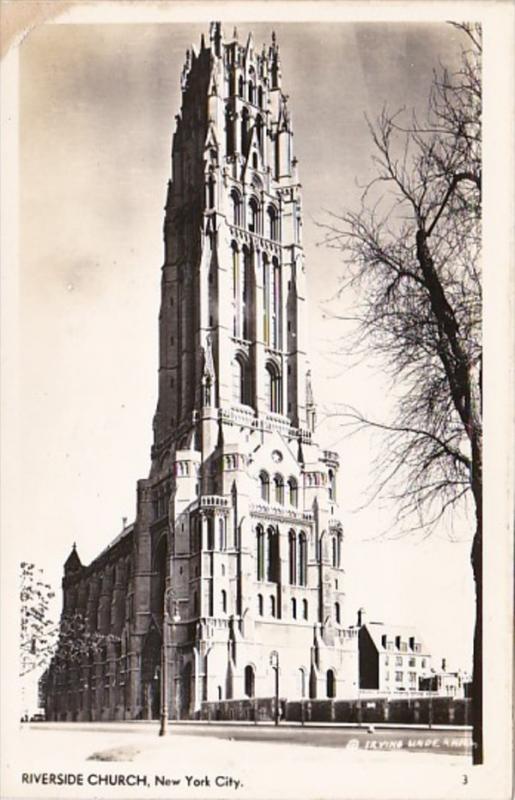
x: 232, y: 572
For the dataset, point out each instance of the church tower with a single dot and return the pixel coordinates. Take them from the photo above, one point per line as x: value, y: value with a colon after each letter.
x: 237, y: 529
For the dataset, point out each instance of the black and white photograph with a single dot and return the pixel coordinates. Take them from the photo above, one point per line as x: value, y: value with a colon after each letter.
x: 257, y: 309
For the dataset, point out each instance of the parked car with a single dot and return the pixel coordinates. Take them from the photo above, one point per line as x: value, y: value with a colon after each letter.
x: 37, y: 718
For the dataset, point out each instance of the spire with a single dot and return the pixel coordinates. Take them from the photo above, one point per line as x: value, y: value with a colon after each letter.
x: 215, y: 37
x: 73, y: 562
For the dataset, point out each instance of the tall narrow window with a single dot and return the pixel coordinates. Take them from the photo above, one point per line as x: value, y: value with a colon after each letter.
x: 237, y: 379
x: 339, y: 550
x: 293, y: 608
x: 240, y: 86
x: 334, y: 551
x: 260, y: 605
x: 264, y: 482
x: 279, y: 489
x: 229, y: 131
x: 272, y: 560
x: 249, y: 681
x: 273, y: 231
x: 302, y: 682
x: 236, y: 290
x: 210, y: 533
x: 224, y: 601
x: 195, y: 604
x: 330, y: 477
x: 274, y: 388
x: 292, y: 557
x: 247, y: 293
x: 292, y: 492
x: 260, y: 546
x: 302, y: 570
x: 337, y: 613
x: 236, y: 208
x: 330, y: 683
x: 251, y: 92
x: 272, y: 605
x: 254, y: 215
x: 304, y: 609
x: 259, y: 133
x: 266, y: 301
x: 276, y: 305
x: 260, y: 97
x: 221, y: 533
x: 244, y: 130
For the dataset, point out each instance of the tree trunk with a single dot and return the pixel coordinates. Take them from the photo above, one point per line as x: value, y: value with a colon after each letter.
x: 477, y: 668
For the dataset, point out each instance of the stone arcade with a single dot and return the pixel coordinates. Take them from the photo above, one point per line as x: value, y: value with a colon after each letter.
x: 237, y: 528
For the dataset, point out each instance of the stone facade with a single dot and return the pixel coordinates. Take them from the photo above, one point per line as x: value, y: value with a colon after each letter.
x: 237, y: 533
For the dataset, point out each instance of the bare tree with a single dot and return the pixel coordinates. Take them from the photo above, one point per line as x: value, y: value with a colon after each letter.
x: 411, y: 254
x: 38, y: 632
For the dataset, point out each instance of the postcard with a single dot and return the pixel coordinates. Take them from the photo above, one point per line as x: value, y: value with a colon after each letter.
x: 255, y: 543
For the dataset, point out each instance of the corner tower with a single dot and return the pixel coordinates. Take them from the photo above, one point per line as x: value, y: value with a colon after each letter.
x: 238, y: 518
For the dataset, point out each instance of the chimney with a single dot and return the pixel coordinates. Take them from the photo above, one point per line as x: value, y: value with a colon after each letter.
x: 362, y: 617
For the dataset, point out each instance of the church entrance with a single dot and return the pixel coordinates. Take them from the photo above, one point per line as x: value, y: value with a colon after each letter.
x: 151, y: 675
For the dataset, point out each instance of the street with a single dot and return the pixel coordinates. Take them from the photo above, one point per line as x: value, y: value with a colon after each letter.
x: 456, y: 741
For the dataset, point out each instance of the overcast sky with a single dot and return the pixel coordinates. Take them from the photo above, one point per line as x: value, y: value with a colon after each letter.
x: 97, y: 106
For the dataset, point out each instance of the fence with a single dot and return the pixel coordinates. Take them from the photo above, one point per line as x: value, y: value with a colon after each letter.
x: 407, y: 711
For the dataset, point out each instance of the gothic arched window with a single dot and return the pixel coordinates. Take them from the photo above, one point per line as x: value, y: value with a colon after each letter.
x: 293, y: 497
x: 292, y: 557
x: 240, y: 86
x: 272, y: 555
x: 330, y: 477
x: 330, y: 683
x: 260, y: 548
x: 259, y: 132
x: 251, y: 92
x: 302, y: 682
x: 337, y: 613
x: 236, y: 289
x: 279, y: 489
x: 276, y: 305
x: 249, y: 681
x: 224, y: 601
x: 253, y: 215
x: 304, y: 609
x: 240, y: 380
x: 266, y: 300
x: 229, y: 131
x: 293, y: 608
x: 334, y: 546
x: 221, y: 533
x: 260, y: 605
x: 273, y: 388
x: 303, y: 560
x: 273, y: 226
x: 247, y: 292
x: 272, y: 605
x: 236, y: 207
x: 264, y: 483
x: 244, y: 130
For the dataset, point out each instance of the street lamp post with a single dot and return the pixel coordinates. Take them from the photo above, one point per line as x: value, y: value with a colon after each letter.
x: 274, y: 661
x: 163, y: 716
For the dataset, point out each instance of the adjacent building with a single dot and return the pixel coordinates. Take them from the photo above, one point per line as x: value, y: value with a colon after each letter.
x: 392, y: 658
x: 237, y: 546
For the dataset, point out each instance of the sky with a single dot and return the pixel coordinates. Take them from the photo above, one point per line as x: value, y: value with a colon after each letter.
x: 97, y: 107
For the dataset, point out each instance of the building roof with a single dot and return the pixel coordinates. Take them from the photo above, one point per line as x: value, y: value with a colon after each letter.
x: 377, y: 630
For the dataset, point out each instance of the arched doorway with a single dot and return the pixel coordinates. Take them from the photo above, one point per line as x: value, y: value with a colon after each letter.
x: 151, y: 675
x: 185, y: 692
x: 249, y: 681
